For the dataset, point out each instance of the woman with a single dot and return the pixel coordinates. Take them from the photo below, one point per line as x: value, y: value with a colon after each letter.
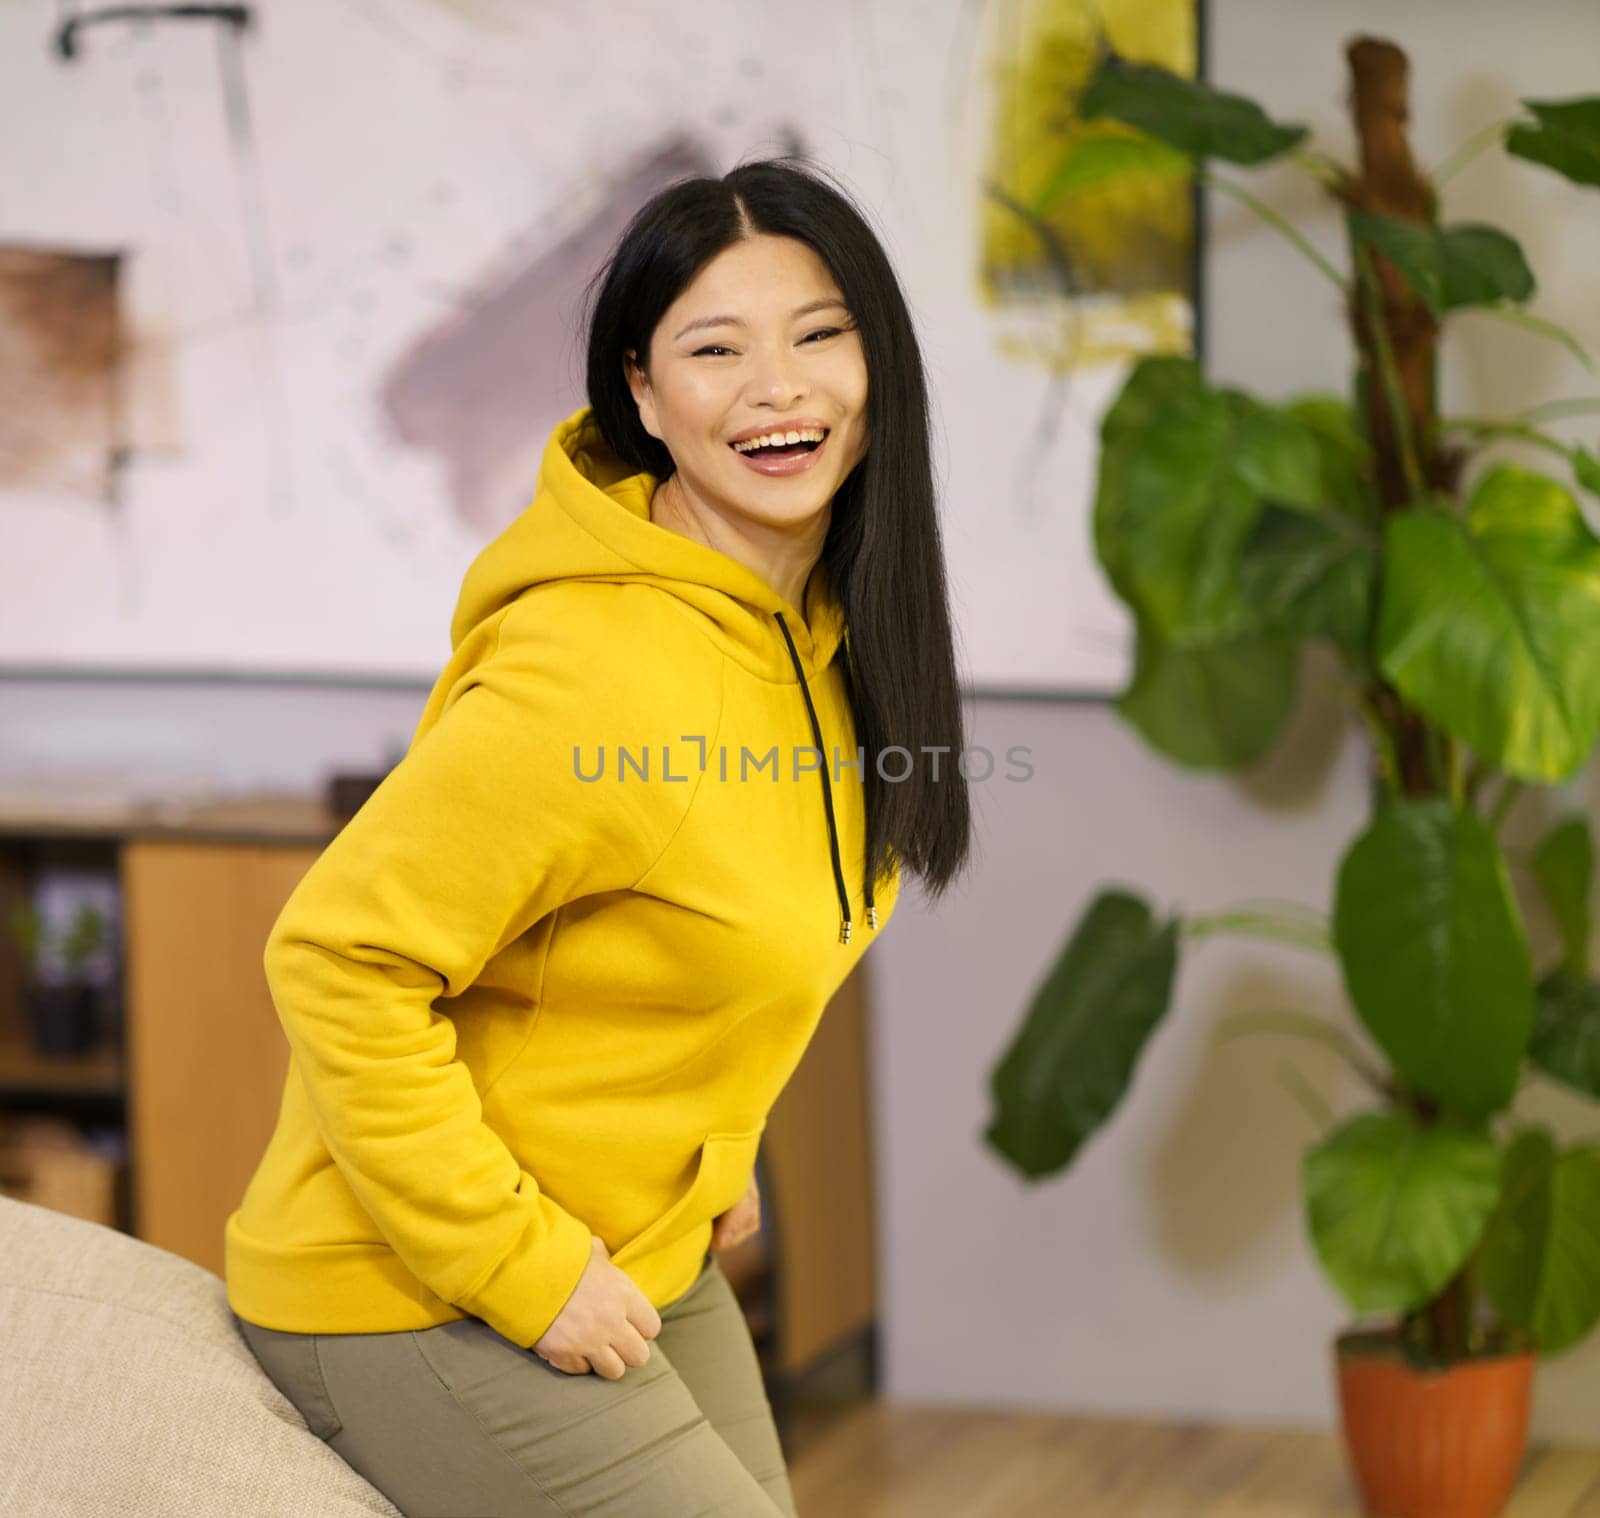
x: 543, y: 989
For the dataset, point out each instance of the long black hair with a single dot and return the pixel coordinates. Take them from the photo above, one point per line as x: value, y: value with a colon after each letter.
x: 883, y: 550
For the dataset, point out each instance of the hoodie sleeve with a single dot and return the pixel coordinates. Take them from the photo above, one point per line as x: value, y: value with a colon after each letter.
x: 481, y: 829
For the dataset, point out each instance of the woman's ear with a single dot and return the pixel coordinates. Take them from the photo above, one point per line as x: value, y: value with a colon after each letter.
x: 639, y: 387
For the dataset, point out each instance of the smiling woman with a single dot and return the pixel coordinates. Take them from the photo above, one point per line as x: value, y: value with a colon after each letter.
x: 538, y: 1019
x: 730, y: 307
x: 778, y: 394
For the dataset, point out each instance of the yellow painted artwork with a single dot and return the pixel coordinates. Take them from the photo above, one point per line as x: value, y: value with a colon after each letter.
x: 1106, y: 273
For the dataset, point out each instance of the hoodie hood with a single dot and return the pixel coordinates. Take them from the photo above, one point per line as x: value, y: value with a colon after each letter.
x: 590, y: 520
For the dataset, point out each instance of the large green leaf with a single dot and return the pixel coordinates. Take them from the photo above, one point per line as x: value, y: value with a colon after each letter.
x: 1563, y: 864
x: 1490, y: 624
x: 1312, y: 575
x: 1216, y: 705
x: 1186, y: 114
x: 1344, y: 456
x: 1541, y: 1255
x: 1074, y: 1056
x: 1433, y: 952
x: 1567, y: 138
x: 1565, y: 1043
x: 1161, y: 391
x: 1395, y: 1207
x: 1586, y: 469
x: 1469, y: 265
x: 1183, y: 472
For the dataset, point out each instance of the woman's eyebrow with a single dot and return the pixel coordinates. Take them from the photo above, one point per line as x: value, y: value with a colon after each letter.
x: 738, y: 321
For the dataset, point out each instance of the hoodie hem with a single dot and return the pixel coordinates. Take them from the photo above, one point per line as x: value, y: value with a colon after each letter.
x: 365, y: 1288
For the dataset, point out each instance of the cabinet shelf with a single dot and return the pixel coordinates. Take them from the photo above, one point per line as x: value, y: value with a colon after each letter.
x: 26, y: 1072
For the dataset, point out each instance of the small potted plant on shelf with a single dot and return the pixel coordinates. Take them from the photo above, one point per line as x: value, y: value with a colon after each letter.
x: 61, y: 1005
x: 1463, y: 622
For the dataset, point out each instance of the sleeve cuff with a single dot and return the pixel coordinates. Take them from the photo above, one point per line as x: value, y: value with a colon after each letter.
x: 524, y: 1294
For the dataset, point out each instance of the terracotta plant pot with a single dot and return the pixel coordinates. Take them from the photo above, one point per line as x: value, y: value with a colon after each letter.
x: 1432, y: 1443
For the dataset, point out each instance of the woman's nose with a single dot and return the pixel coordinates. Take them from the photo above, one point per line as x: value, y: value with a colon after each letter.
x: 777, y: 377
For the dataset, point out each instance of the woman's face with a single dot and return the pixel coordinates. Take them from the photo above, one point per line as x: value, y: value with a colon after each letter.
x: 759, y: 341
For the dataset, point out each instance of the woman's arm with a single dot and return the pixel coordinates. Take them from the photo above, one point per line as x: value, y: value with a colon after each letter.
x: 479, y: 831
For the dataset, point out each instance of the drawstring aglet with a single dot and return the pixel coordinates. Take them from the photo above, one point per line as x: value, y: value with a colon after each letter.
x: 844, y: 930
x: 872, y: 917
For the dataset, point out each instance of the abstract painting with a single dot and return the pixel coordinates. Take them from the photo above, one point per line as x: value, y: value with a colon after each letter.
x: 289, y: 297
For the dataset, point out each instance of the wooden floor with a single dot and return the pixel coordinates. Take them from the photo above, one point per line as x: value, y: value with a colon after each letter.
x: 883, y: 1460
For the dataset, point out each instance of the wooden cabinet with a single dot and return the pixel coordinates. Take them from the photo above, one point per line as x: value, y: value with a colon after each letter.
x: 206, y: 1051
x: 191, y: 1068
x: 194, y: 1069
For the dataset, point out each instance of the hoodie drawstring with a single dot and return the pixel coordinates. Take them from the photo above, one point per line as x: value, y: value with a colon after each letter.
x: 827, y: 801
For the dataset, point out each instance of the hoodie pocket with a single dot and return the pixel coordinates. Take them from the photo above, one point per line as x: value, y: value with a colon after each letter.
x: 727, y: 1161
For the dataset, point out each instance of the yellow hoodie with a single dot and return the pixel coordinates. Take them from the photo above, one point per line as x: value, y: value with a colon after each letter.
x: 528, y: 1000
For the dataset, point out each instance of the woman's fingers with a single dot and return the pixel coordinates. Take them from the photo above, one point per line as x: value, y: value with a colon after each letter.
x: 608, y: 1363
x: 740, y: 1221
x: 632, y: 1346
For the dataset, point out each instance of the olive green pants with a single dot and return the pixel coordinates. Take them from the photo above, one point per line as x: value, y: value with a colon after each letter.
x: 456, y: 1421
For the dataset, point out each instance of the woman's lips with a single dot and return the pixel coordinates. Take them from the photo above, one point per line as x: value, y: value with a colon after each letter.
x: 765, y: 461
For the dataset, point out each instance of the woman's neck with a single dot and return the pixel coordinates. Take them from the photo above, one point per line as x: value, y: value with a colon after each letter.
x: 783, y: 558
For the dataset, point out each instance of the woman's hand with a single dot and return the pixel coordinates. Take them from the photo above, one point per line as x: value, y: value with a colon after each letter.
x: 605, y: 1326
x: 740, y: 1221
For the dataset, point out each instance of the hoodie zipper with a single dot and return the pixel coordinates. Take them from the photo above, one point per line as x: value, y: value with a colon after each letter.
x: 827, y: 800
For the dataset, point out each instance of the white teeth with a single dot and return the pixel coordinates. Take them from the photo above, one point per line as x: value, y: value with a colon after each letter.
x: 775, y: 439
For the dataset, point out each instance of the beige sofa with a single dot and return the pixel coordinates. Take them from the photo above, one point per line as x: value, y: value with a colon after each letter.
x: 126, y: 1389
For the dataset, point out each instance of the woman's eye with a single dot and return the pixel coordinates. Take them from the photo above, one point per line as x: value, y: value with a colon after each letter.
x: 820, y: 332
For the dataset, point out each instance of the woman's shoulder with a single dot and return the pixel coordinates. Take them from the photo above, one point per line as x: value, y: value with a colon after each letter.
x: 608, y: 642
x: 606, y: 617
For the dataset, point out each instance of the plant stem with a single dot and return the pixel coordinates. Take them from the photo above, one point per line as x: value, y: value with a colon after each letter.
x: 1268, y: 214
x: 1390, y: 375
x: 1506, y: 429
x: 1435, y: 742
x: 1540, y: 325
x: 1477, y: 772
x: 1470, y: 149
x: 1509, y: 792
x: 1388, y: 760
x: 1320, y: 165
x: 1450, y: 1315
x: 1302, y: 1025
x: 1320, y: 1113
x: 1378, y: 732
x: 1257, y: 925
x: 1577, y: 406
x: 1270, y: 903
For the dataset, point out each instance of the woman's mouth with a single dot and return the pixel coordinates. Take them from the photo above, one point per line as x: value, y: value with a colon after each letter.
x: 789, y: 458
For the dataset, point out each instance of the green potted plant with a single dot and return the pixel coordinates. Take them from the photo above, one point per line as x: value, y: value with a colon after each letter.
x: 61, y: 1006
x: 1461, y: 608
